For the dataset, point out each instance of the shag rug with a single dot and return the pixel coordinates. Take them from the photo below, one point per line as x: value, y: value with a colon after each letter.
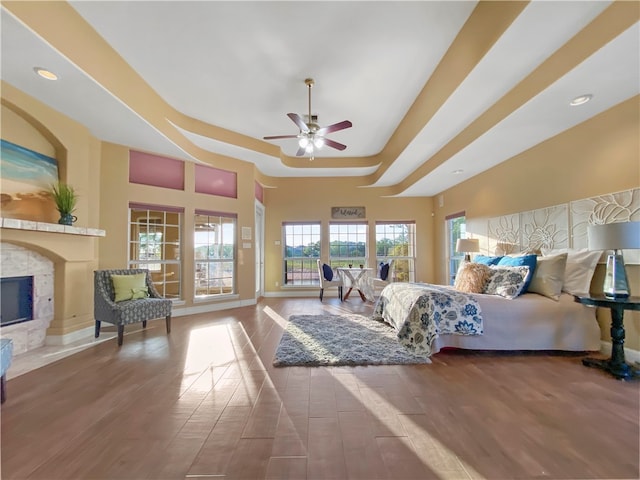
x: 316, y: 340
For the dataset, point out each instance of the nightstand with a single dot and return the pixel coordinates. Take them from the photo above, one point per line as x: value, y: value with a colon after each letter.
x: 615, y: 365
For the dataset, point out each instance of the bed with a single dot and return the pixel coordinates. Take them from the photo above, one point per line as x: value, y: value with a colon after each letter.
x: 527, y: 322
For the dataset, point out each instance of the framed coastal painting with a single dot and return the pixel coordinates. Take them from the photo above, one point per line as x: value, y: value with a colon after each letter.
x: 25, y: 178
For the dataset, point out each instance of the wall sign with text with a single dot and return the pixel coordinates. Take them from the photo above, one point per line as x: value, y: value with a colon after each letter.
x: 347, y: 212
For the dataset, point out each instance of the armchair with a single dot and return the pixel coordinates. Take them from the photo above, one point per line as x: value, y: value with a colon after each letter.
x: 324, y: 283
x: 106, y: 309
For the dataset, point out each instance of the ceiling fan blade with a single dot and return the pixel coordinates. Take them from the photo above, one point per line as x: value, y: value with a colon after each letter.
x: 297, y: 119
x: 274, y: 137
x: 333, y: 144
x: 301, y: 151
x: 335, y: 127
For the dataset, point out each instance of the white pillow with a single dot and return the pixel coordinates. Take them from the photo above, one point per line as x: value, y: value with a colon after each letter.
x: 548, y: 277
x: 579, y: 270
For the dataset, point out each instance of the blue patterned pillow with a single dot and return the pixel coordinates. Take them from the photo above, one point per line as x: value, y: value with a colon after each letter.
x: 327, y: 272
x: 524, y: 260
x: 507, y: 282
x: 384, y: 271
x: 485, y: 260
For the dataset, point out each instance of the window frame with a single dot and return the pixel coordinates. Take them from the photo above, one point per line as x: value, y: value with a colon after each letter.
x: 337, y: 261
x: 404, y: 265
x: 214, y: 223
x: 455, y: 228
x: 308, y: 263
x: 166, y: 273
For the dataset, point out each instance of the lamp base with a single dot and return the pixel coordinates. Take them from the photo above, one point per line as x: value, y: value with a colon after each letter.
x: 616, y: 284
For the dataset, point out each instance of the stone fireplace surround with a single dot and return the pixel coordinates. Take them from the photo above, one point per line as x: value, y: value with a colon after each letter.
x: 18, y: 257
x: 18, y: 261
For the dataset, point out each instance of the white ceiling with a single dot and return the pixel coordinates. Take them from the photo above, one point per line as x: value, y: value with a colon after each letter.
x: 241, y: 66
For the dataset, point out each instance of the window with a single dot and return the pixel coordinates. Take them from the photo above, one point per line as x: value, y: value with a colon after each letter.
x: 301, y: 251
x: 154, y: 244
x: 456, y: 228
x: 397, y: 241
x: 347, y: 244
x: 215, y: 253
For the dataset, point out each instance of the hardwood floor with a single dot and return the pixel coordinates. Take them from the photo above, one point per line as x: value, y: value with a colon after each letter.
x: 205, y: 402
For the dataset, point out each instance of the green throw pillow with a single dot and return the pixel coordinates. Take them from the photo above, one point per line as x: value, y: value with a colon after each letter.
x: 139, y: 293
x: 128, y: 287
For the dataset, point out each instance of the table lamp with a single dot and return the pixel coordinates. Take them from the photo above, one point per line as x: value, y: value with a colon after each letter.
x: 616, y: 237
x: 467, y: 246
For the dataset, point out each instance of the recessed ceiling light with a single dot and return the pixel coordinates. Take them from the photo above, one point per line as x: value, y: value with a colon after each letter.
x: 581, y: 100
x: 44, y: 73
x: 458, y: 171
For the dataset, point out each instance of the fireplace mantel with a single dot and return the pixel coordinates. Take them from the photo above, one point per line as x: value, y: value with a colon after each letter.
x: 17, y: 224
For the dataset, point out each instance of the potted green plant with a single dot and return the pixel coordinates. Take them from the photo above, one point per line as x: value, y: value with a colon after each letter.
x: 65, y: 199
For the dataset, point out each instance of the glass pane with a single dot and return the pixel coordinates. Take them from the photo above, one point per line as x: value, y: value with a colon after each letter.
x: 397, y: 241
x: 457, y: 229
x: 214, y: 239
x: 149, y: 248
x: 302, y: 248
x: 348, y: 242
x: 172, y: 234
x: 172, y: 219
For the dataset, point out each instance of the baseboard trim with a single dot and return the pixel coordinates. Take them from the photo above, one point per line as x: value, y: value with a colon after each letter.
x: 212, y: 307
x: 84, y: 333
x: 630, y: 355
x: 57, y: 340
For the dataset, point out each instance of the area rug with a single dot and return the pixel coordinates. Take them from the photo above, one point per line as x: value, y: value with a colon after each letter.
x: 317, y: 340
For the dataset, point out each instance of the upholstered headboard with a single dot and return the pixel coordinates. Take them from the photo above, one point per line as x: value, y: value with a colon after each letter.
x: 560, y: 226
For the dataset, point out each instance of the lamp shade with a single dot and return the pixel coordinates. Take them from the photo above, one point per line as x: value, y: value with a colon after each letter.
x: 614, y: 236
x: 467, y: 245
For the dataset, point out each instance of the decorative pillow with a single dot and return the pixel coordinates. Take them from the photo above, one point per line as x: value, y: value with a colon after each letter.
x: 327, y: 271
x: 507, y: 282
x: 138, y: 293
x: 126, y: 286
x: 522, y: 260
x: 548, y: 277
x: 579, y: 270
x: 472, y: 277
x: 384, y: 271
x: 485, y: 260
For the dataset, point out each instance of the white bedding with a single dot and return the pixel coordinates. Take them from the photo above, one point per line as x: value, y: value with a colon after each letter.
x: 530, y: 322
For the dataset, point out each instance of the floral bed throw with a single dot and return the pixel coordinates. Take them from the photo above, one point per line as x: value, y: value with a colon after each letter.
x: 420, y: 312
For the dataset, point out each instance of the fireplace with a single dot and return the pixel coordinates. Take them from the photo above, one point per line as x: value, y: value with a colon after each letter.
x: 27, y: 285
x: 17, y: 300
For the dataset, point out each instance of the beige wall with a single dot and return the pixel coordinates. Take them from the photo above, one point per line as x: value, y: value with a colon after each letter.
x: 116, y: 192
x: 32, y: 124
x: 305, y: 199
x: 597, y: 157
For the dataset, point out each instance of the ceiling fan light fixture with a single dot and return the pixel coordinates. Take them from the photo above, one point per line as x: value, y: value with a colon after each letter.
x: 318, y: 142
x: 303, y: 142
x: 309, y: 148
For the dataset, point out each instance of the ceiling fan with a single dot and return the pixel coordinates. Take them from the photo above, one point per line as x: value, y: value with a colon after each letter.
x: 312, y: 136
